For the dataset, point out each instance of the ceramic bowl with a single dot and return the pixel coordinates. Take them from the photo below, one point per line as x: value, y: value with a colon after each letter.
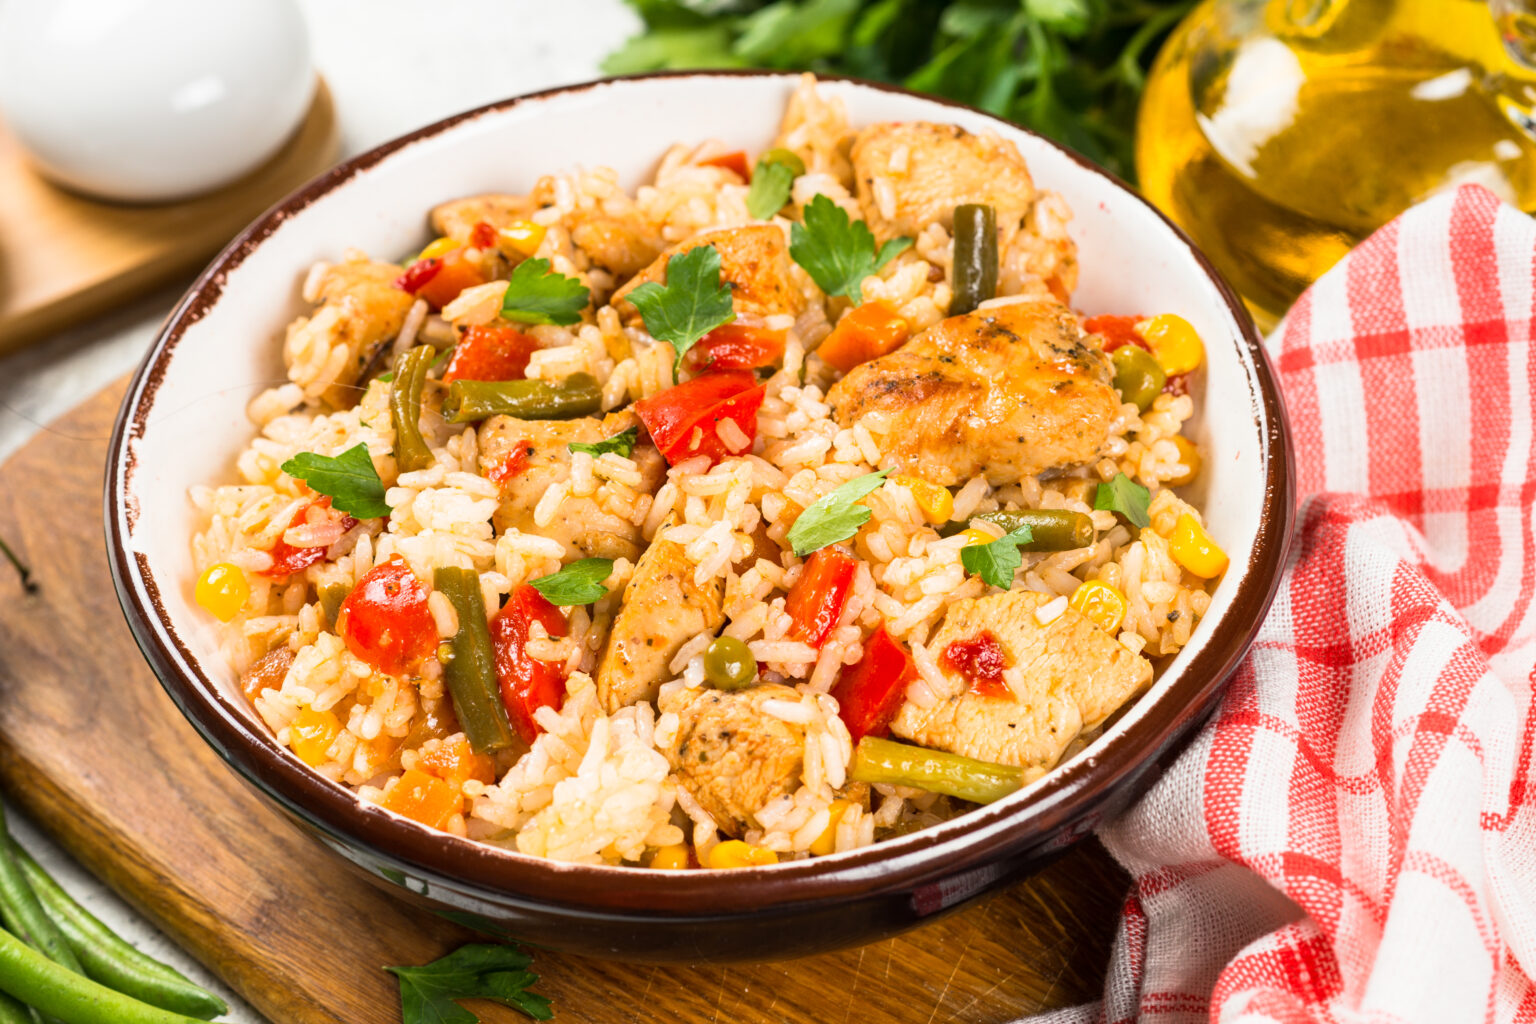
x: 183, y: 421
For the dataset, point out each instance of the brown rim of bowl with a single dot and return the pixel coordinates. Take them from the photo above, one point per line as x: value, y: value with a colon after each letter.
x: 973, y: 840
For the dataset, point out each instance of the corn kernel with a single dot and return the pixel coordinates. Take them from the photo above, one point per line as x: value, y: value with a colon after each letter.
x: 311, y: 735
x: 1174, y: 343
x: 438, y: 248
x: 523, y: 235
x: 1194, y: 549
x: 935, y: 501
x: 1102, y: 604
x: 1189, y: 457
x: 671, y: 858
x: 827, y: 842
x: 974, y: 536
x: 733, y: 853
x: 222, y: 591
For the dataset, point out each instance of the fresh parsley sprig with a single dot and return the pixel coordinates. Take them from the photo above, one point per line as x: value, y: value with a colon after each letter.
x: 772, y: 181
x: 996, y: 562
x: 836, y: 516
x: 837, y: 251
x: 430, y: 994
x: 692, y: 303
x: 1125, y: 496
x: 581, y: 582
x: 622, y: 443
x: 349, y: 478
x: 538, y: 295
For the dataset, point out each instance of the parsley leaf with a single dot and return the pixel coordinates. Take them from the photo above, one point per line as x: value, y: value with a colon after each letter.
x: 581, y: 582
x: 835, y: 516
x: 692, y: 303
x: 622, y: 443
x: 837, y: 252
x: 349, y: 478
x: 1125, y: 496
x: 771, y: 184
x: 538, y: 295
x: 996, y: 562
x: 478, y: 971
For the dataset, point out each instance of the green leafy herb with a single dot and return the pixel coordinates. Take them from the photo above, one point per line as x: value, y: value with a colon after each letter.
x: 1071, y: 69
x: 478, y: 971
x: 996, y: 562
x: 1125, y: 496
x: 581, y: 582
x: 838, y: 253
x: 349, y: 478
x: 538, y: 295
x: 27, y: 582
x: 836, y: 516
x: 771, y: 183
x: 622, y: 443
x: 692, y: 303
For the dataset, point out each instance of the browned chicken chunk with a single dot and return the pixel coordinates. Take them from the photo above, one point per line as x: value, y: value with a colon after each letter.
x: 1008, y: 392
x: 662, y: 610
x: 360, y: 312
x: 732, y: 756
x: 754, y: 261
x: 623, y: 246
x: 582, y: 524
x: 457, y: 218
x: 913, y: 174
x: 1075, y: 676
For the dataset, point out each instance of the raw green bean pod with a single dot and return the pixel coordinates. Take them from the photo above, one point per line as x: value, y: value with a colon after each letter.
x: 108, y: 959
x: 23, y: 914
x: 877, y: 761
x: 1051, y: 529
x: 974, y: 273
x: 470, y: 672
x: 12, y: 1012
x: 471, y: 400
x: 56, y: 991
x: 411, y: 450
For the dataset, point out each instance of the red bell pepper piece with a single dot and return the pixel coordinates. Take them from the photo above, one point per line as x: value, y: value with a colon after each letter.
x: 287, y: 559
x: 682, y: 420
x: 817, y: 599
x: 418, y: 274
x: 738, y: 347
x: 385, y: 620
x: 440, y: 284
x: 870, y: 693
x: 482, y: 235
x: 981, y: 660
x: 734, y: 162
x: 527, y: 683
x: 1116, y: 331
x: 513, y: 465
x: 490, y: 353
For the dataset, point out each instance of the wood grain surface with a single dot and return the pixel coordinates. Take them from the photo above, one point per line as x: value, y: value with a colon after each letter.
x: 64, y: 257
x: 93, y: 750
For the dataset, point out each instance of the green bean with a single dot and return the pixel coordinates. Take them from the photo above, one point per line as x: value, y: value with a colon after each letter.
x: 411, y: 451
x: 331, y: 597
x: 728, y: 664
x: 470, y: 671
x: 975, y: 257
x: 23, y: 914
x: 470, y: 400
x: 1051, y: 529
x: 1138, y: 377
x: 56, y: 991
x: 111, y: 961
x: 878, y: 761
x: 12, y: 1012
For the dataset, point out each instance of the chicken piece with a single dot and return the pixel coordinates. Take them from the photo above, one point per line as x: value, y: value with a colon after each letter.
x: 457, y: 218
x: 663, y: 608
x: 732, y: 756
x: 1008, y: 391
x: 582, y: 524
x: 1074, y: 676
x: 754, y: 260
x: 623, y: 246
x: 360, y: 312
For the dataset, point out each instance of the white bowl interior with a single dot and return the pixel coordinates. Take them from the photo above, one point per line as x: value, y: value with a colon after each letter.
x: 1131, y: 262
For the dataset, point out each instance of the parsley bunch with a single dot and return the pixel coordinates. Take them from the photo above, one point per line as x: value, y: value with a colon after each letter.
x: 1070, y: 69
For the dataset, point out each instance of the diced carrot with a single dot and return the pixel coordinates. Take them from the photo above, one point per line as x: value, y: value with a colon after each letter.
x: 455, y: 275
x: 735, y: 162
x: 865, y: 332
x: 456, y: 763
x: 424, y: 798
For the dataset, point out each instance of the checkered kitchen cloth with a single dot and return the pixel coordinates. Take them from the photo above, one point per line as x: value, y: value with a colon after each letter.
x: 1353, y: 837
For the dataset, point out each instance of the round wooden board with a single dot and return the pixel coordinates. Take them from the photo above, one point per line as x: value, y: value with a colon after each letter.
x: 92, y: 749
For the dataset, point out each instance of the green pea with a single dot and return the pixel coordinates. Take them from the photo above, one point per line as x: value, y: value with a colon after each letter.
x: 785, y: 157
x: 1137, y: 375
x: 728, y: 664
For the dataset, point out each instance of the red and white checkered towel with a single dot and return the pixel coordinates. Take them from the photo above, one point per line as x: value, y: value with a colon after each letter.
x: 1353, y: 837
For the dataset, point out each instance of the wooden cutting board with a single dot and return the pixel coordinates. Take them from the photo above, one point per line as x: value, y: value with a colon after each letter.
x: 93, y: 750
x: 64, y: 257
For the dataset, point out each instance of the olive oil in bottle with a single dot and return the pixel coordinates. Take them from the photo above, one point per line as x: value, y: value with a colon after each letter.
x: 1279, y: 133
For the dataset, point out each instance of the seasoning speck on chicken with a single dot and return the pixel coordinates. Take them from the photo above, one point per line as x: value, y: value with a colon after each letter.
x: 1007, y: 392
x: 1073, y: 674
